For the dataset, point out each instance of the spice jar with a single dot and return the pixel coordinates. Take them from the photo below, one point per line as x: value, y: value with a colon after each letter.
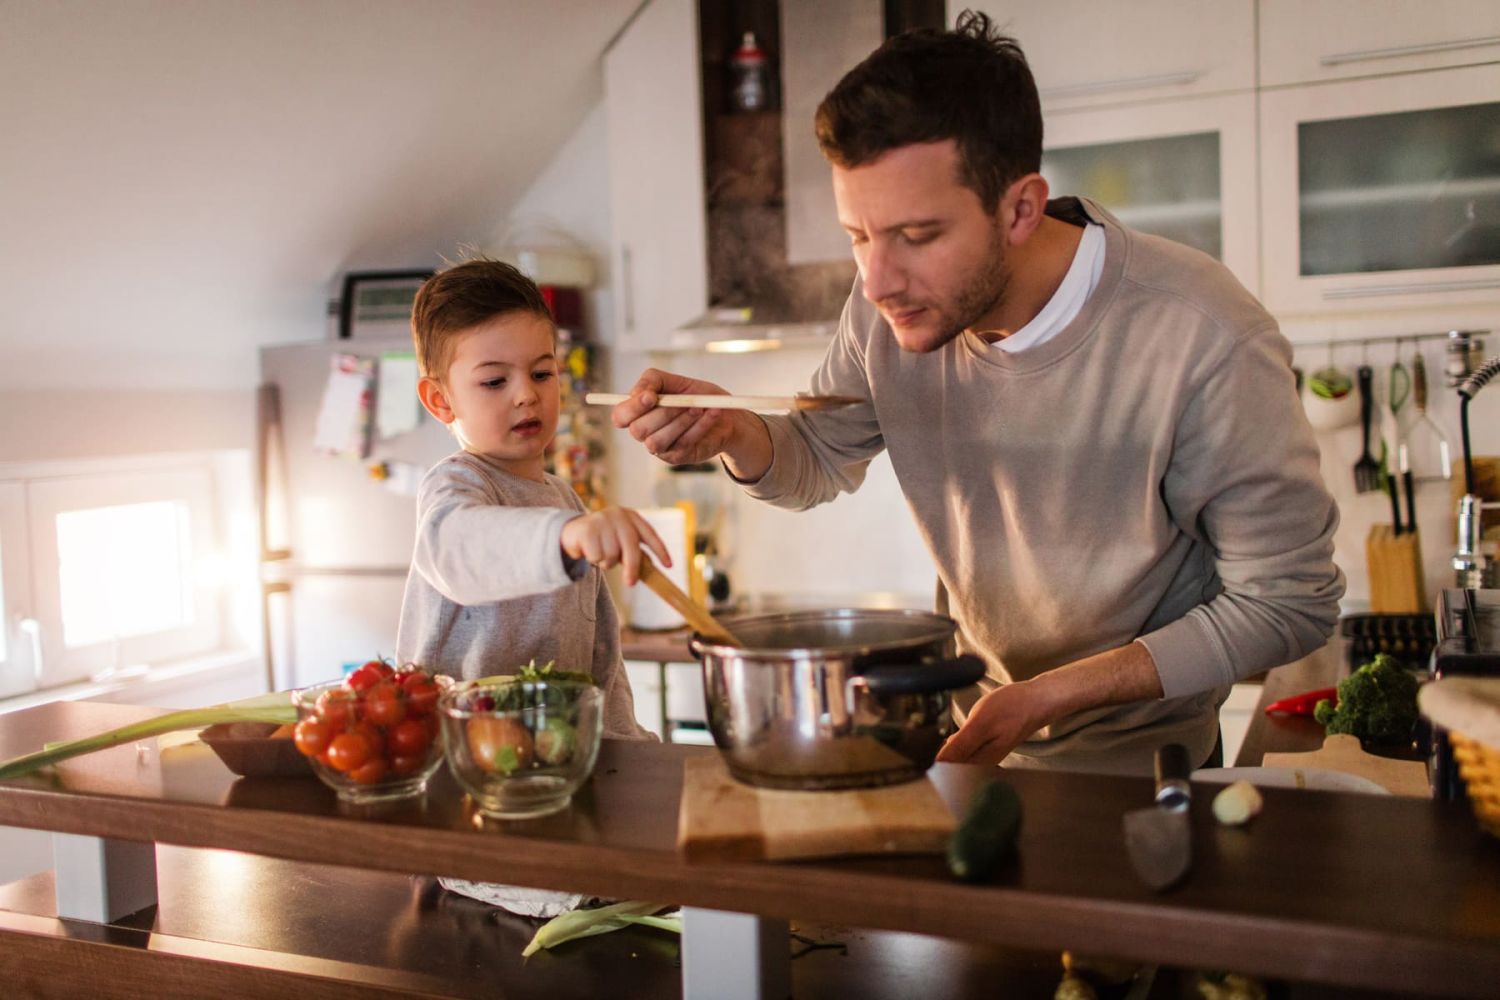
x: 750, y: 83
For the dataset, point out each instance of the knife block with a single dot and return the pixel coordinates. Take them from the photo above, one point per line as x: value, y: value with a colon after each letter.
x: 1394, y: 565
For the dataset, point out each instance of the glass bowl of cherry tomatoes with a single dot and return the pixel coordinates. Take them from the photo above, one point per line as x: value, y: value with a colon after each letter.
x: 522, y: 747
x: 375, y: 735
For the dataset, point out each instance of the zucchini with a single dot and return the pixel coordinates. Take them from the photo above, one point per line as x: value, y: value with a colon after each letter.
x: 987, y: 834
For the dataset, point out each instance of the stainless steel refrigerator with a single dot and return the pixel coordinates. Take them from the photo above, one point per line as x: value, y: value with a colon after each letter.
x: 336, y: 540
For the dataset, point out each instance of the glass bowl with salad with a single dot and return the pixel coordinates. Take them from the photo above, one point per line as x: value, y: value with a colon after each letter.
x: 373, y: 736
x: 521, y: 745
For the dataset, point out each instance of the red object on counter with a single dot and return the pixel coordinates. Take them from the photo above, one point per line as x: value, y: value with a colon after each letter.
x: 1303, y: 704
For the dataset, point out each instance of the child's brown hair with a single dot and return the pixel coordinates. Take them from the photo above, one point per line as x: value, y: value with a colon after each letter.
x: 462, y: 297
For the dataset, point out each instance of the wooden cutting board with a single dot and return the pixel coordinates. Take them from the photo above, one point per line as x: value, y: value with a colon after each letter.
x: 725, y: 820
x: 1343, y: 753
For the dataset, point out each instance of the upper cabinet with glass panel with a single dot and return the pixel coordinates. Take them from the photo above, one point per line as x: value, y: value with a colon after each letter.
x: 1180, y: 169
x: 1383, y: 192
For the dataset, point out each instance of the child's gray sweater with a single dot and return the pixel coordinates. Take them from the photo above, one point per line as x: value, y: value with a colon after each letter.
x: 490, y: 588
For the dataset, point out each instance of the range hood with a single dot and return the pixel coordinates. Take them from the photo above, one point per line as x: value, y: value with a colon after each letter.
x: 735, y: 331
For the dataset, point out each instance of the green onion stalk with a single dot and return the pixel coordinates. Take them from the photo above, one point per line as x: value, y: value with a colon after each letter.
x: 275, y: 707
x: 586, y: 923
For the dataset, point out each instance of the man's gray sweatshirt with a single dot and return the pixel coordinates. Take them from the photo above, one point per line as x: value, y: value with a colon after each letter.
x: 1148, y: 473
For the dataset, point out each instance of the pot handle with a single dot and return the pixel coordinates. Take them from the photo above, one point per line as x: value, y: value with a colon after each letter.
x: 921, y: 678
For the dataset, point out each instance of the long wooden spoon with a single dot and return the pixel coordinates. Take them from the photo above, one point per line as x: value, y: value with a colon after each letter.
x: 715, y: 401
x: 702, y: 622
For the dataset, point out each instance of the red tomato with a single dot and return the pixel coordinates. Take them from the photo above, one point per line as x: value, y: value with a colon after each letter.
x: 408, y: 764
x: 421, y: 696
x: 312, y: 736
x: 349, y: 751
x: 373, y: 735
x: 410, y: 738
x: 336, y: 707
x: 370, y: 772
x: 383, y: 705
x: 364, y: 677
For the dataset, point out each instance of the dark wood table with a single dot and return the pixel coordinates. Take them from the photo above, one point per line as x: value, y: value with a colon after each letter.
x: 1362, y: 891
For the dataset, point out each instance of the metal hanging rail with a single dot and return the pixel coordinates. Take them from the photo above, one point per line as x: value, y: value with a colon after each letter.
x: 1395, y: 338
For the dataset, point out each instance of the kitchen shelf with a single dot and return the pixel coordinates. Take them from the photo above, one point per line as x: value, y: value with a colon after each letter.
x: 1345, y: 199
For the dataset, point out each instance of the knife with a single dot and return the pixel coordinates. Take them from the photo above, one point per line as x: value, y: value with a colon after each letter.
x: 1157, y: 837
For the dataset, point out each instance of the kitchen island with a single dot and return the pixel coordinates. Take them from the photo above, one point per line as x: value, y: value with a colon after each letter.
x: 1359, y: 891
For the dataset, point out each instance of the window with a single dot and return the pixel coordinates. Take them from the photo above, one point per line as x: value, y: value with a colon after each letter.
x: 114, y: 566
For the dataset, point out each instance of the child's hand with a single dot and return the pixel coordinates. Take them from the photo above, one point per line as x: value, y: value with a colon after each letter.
x: 612, y: 537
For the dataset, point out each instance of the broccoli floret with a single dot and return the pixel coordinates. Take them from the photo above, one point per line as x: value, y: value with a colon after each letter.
x: 1378, y: 702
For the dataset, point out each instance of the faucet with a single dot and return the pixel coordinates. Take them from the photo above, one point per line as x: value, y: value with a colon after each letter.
x: 1471, y: 567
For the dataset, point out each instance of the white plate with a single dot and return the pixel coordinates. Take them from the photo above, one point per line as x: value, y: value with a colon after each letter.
x: 1317, y: 778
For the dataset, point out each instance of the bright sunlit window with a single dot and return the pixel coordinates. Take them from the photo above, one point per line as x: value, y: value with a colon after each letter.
x: 124, y: 571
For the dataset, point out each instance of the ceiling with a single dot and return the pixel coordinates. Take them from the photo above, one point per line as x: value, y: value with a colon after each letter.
x: 184, y: 180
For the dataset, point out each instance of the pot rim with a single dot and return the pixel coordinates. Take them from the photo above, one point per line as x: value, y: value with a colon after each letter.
x: 943, y: 628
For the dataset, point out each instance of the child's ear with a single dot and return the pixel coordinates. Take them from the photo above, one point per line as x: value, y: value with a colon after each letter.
x: 434, y: 399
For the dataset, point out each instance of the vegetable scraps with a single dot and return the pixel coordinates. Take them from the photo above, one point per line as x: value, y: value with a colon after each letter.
x: 601, y: 920
x: 1378, y: 702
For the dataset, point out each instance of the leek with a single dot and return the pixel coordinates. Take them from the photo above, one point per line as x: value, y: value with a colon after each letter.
x: 275, y: 707
x: 601, y: 920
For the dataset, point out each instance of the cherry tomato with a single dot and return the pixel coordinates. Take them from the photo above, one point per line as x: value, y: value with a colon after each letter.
x: 421, y: 696
x: 370, y: 772
x: 336, y: 707
x: 348, y: 751
x: 364, y: 677
x: 312, y: 736
x: 409, y: 737
x: 383, y: 705
x: 373, y: 735
x: 408, y: 764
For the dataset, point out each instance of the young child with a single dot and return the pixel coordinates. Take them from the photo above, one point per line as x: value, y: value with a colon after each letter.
x: 507, y: 566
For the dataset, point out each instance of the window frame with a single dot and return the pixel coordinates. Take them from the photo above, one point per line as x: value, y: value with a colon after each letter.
x: 54, y: 488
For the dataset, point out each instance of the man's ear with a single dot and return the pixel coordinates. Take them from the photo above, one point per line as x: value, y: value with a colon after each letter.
x: 1022, y: 206
x: 435, y: 399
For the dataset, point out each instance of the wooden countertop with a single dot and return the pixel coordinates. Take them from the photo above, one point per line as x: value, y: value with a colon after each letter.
x: 1411, y: 888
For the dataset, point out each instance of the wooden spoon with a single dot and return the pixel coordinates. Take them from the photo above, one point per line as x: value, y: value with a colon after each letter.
x: 702, y: 622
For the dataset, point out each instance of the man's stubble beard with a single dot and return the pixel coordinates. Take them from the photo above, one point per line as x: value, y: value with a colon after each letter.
x: 980, y: 296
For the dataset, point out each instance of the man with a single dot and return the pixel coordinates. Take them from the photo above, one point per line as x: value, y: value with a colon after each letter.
x: 1096, y: 430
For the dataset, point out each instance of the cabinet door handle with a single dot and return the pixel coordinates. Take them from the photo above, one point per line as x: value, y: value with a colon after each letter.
x: 1365, y: 55
x: 1124, y: 83
x: 627, y: 274
x: 1404, y: 288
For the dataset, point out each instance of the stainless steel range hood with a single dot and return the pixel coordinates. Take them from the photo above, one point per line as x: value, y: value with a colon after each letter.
x: 731, y: 331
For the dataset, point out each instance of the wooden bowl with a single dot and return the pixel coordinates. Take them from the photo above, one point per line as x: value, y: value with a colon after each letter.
x: 249, y: 750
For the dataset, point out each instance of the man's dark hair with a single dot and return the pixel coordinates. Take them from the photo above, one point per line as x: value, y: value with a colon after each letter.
x: 971, y: 85
x: 462, y: 297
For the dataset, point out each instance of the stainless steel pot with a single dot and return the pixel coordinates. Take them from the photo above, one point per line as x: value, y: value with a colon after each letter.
x: 846, y: 698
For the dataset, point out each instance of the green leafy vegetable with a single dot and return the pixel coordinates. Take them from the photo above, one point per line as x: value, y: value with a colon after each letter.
x: 1378, y: 702
x: 520, y: 689
x: 601, y: 920
x: 274, y: 707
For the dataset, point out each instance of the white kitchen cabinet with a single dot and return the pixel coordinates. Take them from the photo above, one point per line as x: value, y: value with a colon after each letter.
x: 1302, y: 42
x: 1381, y: 192
x: 1180, y: 169
x: 1086, y: 53
x: 653, y: 113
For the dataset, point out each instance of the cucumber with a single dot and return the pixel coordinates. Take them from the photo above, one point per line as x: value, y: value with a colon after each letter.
x: 987, y: 834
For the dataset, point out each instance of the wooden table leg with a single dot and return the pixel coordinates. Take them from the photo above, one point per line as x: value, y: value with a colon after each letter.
x: 102, y: 880
x: 734, y: 956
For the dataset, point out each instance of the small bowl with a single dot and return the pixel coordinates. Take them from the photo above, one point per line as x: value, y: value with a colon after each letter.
x: 521, y: 748
x: 378, y: 784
